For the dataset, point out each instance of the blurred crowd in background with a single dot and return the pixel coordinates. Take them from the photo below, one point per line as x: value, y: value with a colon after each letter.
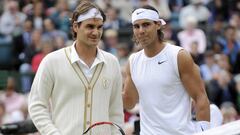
x: 208, y: 29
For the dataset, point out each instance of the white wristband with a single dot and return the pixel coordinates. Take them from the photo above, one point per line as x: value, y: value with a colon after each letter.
x: 203, y: 125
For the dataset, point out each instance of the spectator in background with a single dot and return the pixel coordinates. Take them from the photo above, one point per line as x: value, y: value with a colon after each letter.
x: 49, y: 3
x: 37, y: 15
x: 25, y: 38
x: 12, y: 19
x: 47, y: 47
x: 161, y: 5
x: 126, y: 7
x: 21, y: 42
x: 235, y: 22
x: 60, y: 16
x: 223, y: 61
x: 221, y: 89
x: 209, y: 69
x: 237, y: 85
x: 195, y: 9
x: 175, y: 7
x: 123, y: 51
x: 2, y: 113
x: 170, y: 34
x: 229, y: 112
x: 218, y: 9
x: 33, y: 48
x: 215, y: 32
x: 59, y: 42
x: 23, y: 4
x: 197, y: 57
x: 104, y: 4
x: 25, y: 69
x: 113, y: 20
x: 13, y: 102
x: 1, y: 7
x: 72, y: 4
x: 50, y: 31
x: 229, y: 44
x: 191, y: 34
x: 110, y: 40
x: 236, y: 66
x: 234, y: 6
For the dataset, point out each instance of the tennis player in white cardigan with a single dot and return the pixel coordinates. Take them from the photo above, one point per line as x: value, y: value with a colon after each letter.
x: 81, y: 84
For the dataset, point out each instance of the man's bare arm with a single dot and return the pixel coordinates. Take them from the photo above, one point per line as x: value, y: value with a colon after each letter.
x: 130, y: 94
x: 191, y: 79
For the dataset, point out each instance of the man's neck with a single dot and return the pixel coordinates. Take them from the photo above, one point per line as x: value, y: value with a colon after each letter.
x: 154, y: 49
x: 87, y: 54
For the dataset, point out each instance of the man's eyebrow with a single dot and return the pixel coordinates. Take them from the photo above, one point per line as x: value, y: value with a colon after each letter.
x: 135, y: 25
x: 92, y: 25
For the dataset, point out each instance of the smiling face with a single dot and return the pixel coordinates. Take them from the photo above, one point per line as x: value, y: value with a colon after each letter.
x: 145, y: 32
x: 89, y: 32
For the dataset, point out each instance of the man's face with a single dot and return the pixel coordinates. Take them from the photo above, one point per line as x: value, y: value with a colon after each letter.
x: 230, y: 34
x: 89, y: 32
x: 145, y: 31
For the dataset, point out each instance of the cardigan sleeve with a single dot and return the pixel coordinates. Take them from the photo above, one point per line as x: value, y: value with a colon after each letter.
x: 116, y: 105
x: 39, y: 99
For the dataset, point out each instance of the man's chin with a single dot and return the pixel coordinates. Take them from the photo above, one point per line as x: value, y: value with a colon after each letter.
x: 144, y: 43
x: 94, y: 44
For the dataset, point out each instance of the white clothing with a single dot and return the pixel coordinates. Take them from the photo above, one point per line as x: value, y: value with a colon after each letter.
x: 208, y: 72
x: 201, y: 13
x: 216, y: 116
x: 187, y: 39
x: 8, y: 22
x: 88, y: 71
x: 165, y: 106
x: 76, y: 102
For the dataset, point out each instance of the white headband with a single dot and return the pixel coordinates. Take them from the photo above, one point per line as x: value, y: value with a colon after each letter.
x: 143, y: 13
x: 92, y: 13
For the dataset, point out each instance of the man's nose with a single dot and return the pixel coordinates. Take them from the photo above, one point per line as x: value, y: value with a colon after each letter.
x: 141, y: 29
x: 95, y: 31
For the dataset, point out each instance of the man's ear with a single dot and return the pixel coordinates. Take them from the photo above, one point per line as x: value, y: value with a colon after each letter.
x: 75, y: 26
x: 159, y: 25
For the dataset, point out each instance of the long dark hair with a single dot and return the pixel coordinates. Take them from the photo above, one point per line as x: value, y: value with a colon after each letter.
x: 159, y: 32
x: 83, y: 7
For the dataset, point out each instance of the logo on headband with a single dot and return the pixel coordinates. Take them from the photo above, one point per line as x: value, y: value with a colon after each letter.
x: 96, y: 13
x: 139, y: 12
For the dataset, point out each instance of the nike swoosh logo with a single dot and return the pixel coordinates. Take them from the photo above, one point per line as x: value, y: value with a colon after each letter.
x: 161, y: 62
x: 139, y: 12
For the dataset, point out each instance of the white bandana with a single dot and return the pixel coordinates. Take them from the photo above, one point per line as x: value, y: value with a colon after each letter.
x: 92, y: 13
x: 143, y: 13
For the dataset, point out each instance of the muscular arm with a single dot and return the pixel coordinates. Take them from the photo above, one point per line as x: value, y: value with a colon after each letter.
x: 191, y: 79
x: 130, y: 94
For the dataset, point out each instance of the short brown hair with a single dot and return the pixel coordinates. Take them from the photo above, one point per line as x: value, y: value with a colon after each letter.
x: 83, y: 7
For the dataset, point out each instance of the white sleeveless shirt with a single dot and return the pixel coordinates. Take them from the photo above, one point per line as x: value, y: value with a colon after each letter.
x: 165, y: 106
